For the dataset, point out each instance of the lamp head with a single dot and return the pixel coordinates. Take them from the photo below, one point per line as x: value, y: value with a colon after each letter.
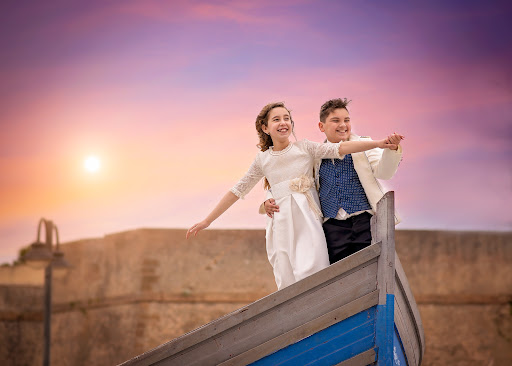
x: 38, y: 256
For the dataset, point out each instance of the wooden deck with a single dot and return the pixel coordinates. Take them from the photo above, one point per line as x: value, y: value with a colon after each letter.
x: 358, y: 311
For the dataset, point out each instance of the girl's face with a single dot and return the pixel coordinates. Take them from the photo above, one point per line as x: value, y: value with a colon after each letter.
x: 279, y: 124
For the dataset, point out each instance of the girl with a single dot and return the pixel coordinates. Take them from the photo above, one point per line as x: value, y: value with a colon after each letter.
x: 296, y: 245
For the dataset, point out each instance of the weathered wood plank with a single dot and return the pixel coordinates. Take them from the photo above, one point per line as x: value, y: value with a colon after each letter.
x: 304, y: 330
x: 383, y: 230
x: 407, y: 316
x: 405, y: 334
x: 362, y: 359
x: 403, y: 284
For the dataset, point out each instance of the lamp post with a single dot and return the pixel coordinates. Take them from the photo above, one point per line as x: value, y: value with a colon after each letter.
x: 45, y: 256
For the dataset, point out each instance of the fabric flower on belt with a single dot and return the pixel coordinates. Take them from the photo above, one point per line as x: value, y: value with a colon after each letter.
x: 303, y: 184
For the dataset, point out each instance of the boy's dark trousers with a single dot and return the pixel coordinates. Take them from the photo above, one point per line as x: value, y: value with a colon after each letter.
x: 345, y: 237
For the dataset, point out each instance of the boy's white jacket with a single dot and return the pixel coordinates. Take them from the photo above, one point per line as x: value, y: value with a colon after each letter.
x: 370, y: 165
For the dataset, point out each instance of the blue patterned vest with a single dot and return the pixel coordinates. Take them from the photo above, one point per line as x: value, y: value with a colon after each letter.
x: 340, y: 187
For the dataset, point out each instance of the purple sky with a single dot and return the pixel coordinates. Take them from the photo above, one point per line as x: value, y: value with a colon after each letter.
x: 166, y: 93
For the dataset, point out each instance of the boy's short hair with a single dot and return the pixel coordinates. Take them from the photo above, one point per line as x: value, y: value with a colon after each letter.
x: 331, y: 105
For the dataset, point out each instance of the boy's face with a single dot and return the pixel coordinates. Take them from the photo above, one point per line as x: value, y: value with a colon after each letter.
x: 336, y: 126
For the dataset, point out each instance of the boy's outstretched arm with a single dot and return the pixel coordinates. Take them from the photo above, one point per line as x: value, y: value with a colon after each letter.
x: 385, y: 163
x: 225, y: 203
x: 349, y: 147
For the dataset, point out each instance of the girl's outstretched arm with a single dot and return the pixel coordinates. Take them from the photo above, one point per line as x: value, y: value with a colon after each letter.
x: 349, y: 147
x: 225, y: 203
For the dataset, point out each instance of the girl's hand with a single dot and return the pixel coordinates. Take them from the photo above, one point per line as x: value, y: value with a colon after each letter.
x: 271, y: 207
x: 197, y: 228
x: 384, y: 144
x: 395, y: 139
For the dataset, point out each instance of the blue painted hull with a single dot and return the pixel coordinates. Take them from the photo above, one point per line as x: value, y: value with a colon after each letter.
x: 330, y: 346
x: 361, y: 332
x: 399, y: 357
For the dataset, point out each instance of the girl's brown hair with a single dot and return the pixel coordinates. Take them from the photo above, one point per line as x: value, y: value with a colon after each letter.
x: 262, y: 119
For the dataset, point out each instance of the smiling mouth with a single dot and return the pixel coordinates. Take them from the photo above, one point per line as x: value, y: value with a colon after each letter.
x: 282, y: 130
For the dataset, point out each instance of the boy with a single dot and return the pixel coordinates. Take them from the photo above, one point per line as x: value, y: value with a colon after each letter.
x: 348, y: 188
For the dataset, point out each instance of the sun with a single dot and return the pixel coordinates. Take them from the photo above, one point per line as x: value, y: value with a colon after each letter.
x: 92, y: 164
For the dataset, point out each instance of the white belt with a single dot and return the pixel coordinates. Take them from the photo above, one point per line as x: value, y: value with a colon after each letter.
x: 302, y: 184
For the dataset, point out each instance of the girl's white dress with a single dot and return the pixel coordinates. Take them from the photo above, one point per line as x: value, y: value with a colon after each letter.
x: 296, y: 245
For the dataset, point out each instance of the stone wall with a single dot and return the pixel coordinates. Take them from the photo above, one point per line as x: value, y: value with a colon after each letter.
x: 131, y: 291
x: 462, y: 282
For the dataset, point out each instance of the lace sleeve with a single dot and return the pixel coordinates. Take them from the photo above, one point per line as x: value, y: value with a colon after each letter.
x: 323, y: 150
x: 249, y: 180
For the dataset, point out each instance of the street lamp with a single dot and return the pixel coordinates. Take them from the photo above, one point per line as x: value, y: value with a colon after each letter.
x: 45, y: 256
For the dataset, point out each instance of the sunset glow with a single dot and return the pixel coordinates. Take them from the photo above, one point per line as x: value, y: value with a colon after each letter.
x: 92, y: 164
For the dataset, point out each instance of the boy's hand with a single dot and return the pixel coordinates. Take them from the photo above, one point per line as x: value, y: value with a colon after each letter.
x: 394, y: 139
x: 271, y: 207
